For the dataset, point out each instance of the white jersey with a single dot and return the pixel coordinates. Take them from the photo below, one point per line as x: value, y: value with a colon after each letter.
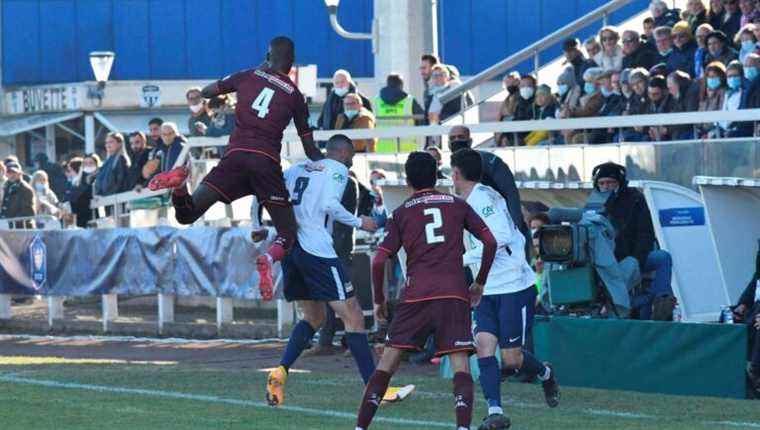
x: 316, y: 189
x: 510, y: 272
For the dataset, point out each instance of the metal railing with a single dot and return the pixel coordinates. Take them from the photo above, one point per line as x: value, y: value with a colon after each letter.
x: 36, y: 222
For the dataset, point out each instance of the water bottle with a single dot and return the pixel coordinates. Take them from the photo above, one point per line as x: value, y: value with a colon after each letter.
x: 677, y: 315
x: 726, y: 315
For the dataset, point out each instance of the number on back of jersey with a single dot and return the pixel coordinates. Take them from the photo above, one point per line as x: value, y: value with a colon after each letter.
x: 261, y: 104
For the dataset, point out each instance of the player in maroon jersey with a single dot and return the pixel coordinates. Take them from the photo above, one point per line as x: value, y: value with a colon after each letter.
x: 430, y: 226
x: 266, y: 102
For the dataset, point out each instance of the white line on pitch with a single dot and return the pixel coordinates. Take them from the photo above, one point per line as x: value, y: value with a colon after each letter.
x: 211, y: 399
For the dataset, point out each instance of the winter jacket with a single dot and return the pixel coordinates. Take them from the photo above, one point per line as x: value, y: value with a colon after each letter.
x: 729, y: 54
x: 136, y: 167
x: 203, y: 118
x: 612, y: 62
x: 644, y: 56
x: 18, y: 201
x: 334, y: 106
x: 682, y: 58
x: 628, y: 211
x: 363, y: 120
x: 113, y: 177
x: 79, y: 197
x: 669, y: 18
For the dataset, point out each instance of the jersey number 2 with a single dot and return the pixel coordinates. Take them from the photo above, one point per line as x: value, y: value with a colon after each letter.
x: 301, y: 184
x: 430, y: 227
x: 261, y: 104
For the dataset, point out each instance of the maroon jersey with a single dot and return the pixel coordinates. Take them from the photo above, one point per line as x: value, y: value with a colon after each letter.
x: 430, y: 226
x: 266, y: 102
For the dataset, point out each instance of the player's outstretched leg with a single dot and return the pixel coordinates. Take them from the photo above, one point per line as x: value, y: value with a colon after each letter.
x: 464, y: 395
x: 489, y: 382
x: 314, y: 316
x: 285, y: 223
x: 377, y: 386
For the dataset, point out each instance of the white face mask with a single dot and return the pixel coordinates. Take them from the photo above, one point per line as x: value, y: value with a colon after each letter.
x: 196, y: 108
x: 89, y: 169
x: 340, y: 92
x: 526, y: 92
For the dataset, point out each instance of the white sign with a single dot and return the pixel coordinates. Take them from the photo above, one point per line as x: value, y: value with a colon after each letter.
x: 45, y: 99
x: 151, y: 96
x: 305, y: 77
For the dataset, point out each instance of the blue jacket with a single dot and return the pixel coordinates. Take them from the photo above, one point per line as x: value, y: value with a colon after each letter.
x: 682, y: 58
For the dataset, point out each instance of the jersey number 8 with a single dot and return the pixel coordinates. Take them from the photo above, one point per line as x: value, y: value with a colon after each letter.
x: 430, y: 236
x: 261, y: 104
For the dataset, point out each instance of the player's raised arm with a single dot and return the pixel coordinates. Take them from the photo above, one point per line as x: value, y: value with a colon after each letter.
x: 227, y: 84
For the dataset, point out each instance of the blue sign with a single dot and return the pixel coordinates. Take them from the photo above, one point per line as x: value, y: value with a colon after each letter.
x: 682, y: 217
x: 38, y: 262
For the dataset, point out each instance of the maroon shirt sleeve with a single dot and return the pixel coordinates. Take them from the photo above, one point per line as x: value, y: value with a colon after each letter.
x: 301, y: 115
x: 478, y: 228
x: 229, y: 83
x: 390, y: 246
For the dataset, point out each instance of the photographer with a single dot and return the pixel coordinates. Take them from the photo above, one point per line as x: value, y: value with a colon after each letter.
x: 628, y: 212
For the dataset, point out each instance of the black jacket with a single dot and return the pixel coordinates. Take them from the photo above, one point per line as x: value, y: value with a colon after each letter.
x: 113, y: 177
x: 668, y: 19
x: 644, y: 56
x: 135, y: 169
x: 750, y: 294
x: 79, y: 197
x: 456, y: 105
x: 334, y: 106
x: 497, y: 175
x: 731, y: 27
x: 614, y: 105
x: 18, y: 202
x: 343, y: 235
x: 580, y: 65
x: 629, y: 214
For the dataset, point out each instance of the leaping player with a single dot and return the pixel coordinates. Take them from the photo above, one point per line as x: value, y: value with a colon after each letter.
x: 267, y: 101
x: 430, y: 226
x: 505, y: 313
x: 312, y: 272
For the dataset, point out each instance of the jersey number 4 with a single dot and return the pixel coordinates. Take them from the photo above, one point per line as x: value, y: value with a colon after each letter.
x: 261, y: 104
x: 301, y: 184
x: 430, y: 235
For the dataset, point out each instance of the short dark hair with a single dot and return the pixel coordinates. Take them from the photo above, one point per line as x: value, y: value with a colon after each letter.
x: 469, y: 164
x: 658, y: 81
x: 218, y: 101
x: 541, y: 216
x: 156, y: 121
x: 570, y: 43
x: 140, y: 134
x: 338, y: 142
x: 649, y: 20
x: 430, y: 58
x: 421, y: 170
x: 395, y: 80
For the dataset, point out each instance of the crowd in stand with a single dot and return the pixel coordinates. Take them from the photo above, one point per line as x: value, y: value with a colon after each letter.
x: 704, y: 58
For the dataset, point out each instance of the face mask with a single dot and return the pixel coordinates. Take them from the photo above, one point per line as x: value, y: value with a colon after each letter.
x: 563, y: 89
x: 351, y: 113
x: 748, y: 46
x: 72, y: 179
x: 750, y: 73
x: 589, y: 88
x: 196, y: 108
x: 526, y: 92
x: 456, y: 145
x: 89, y: 169
x: 713, y: 83
x: 512, y: 89
x: 340, y: 92
x: 627, y: 92
x: 606, y: 92
x: 39, y: 187
x: 734, y: 82
x: 666, y: 53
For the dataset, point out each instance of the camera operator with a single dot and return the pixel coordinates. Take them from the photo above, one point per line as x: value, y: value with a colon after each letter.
x: 497, y: 175
x: 628, y: 212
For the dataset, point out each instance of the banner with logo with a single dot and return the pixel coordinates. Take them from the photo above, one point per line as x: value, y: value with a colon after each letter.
x: 200, y: 261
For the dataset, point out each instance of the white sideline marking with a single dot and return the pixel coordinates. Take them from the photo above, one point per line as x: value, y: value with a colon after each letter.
x: 735, y: 424
x: 212, y: 399
x: 171, y: 340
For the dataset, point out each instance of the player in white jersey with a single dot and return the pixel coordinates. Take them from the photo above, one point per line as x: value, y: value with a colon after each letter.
x: 505, y: 313
x: 312, y: 272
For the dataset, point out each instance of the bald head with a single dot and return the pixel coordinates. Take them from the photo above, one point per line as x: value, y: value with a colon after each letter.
x: 340, y: 148
x: 282, y: 53
x: 459, y: 137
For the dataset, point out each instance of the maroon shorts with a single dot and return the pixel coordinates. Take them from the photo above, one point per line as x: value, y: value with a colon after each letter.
x: 241, y: 173
x: 448, y: 320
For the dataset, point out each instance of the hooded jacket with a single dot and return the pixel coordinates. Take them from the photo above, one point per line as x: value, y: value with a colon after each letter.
x: 629, y: 213
x: 394, y: 95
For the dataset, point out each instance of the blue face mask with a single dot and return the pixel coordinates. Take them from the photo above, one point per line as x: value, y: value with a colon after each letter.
x: 606, y: 92
x: 589, y: 88
x: 351, y: 113
x: 748, y: 46
x: 563, y: 89
x: 734, y: 82
x: 750, y: 73
x: 713, y: 83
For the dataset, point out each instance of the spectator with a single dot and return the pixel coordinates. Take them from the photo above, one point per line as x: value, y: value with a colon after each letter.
x: 732, y: 19
x: 660, y: 69
x: 664, y: 41
x: 701, y: 51
x: 569, y: 91
x: 747, y: 42
x: 611, y: 55
x: 154, y: 132
x: 636, y: 53
x: 637, y: 104
x: 139, y: 157
x: 751, y: 73
x: 526, y: 102
x: 697, y: 14
x: 395, y: 107
x: 546, y: 108
x: 628, y: 212
x: 684, y: 48
x: 593, y: 48
x: 623, y: 85
x: 648, y: 27
x: 733, y: 100
x: 198, y: 111
x: 82, y: 174
x: 660, y: 101
x: 511, y: 85
x: 575, y: 57
x: 748, y: 10
x: 663, y: 17
x: 169, y: 148
x: 590, y: 104
x: 356, y: 116
x: 342, y: 85
x: 719, y: 49
x: 717, y: 13
x: 436, y: 153
x: 613, y: 105
x: 685, y: 93
x: 221, y: 118
x: 3, y: 180
x: 54, y: 172
x: 113, y: 177
x: 439, y: 83
x: 715, y: 83
x: 18, y: 197
x: 45, y: 200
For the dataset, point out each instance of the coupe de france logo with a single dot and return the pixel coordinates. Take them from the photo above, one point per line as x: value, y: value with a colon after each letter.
x: 38, y: 262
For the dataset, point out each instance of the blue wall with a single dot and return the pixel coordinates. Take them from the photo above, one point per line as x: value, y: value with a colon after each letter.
x: 49, y: 40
